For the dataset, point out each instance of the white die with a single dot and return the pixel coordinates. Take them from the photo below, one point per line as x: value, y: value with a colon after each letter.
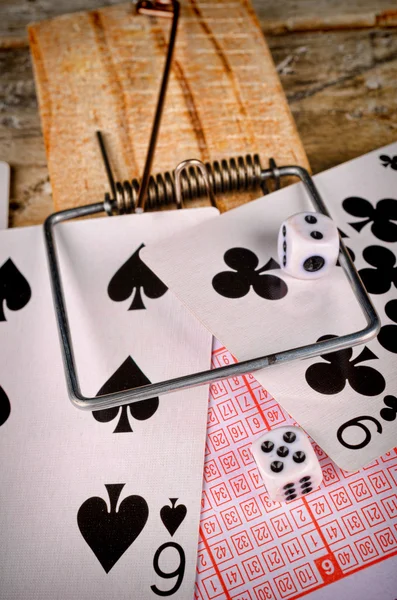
x: 308, y: 245
x: 287, y: 462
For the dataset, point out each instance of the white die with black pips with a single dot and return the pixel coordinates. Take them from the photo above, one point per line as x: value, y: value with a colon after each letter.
x: 287, y: 462
x: 308, y: 245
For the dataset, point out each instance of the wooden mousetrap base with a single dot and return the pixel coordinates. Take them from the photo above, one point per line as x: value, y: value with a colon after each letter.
x: 101, y: 70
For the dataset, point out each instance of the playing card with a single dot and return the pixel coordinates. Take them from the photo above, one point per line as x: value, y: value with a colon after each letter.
x: 226, y: 272
x: 115, y: 284
x: 94, y: 505
x: 4, y: 193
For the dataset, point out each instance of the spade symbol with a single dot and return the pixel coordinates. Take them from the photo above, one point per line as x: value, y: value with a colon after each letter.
x: 127, y: 376
x: 133, y: 278
x: 14, y: 289
x: 172, y: 516
x: 110, y: 533
x: 5, y: 407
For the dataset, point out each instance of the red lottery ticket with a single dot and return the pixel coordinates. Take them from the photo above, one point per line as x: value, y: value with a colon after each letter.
x: 253, y: 549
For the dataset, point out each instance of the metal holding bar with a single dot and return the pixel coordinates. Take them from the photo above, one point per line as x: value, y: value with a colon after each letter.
x: 117, y: 201
x: 165, y: 8
x: 205, y: 377
x: 106, y: 162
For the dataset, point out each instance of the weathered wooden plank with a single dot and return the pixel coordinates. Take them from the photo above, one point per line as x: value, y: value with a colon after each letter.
x: 101, y: 70
x: 275, y: 17
x: 21, y: 141
x: 15, y: 15
x: 353, y: 73
x: 342, y: 89
x: 315, y: 15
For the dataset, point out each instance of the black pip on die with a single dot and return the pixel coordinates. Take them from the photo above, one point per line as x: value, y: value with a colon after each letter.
x: 308, y: 245
x: 287, y: 462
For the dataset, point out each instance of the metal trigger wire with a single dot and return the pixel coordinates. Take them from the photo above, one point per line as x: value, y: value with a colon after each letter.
x: 163, y: 8
x: 123, y: 200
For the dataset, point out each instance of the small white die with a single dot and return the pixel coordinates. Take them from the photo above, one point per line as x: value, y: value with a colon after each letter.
x: 308, y: 245
x: 287, y: 462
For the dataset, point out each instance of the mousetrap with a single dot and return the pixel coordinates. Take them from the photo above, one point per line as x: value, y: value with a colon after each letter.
x: 226, y: 178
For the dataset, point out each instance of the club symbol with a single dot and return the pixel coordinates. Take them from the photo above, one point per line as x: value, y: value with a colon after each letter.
x: 389, y: 413
x: 172, y: 516
x: 109, y: 533
x: 331, y: 378
x: 5, y: 407
x: 15, y: 291
x: 381, y: 217
x: 246, y: 275
x: 127, y: 376
x: 133, y: 278
x: 389, y: 161
x: 380, y: 279
x: 387, y: 336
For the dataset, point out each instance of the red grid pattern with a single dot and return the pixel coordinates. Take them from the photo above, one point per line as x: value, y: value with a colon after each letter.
x: 253, y: 549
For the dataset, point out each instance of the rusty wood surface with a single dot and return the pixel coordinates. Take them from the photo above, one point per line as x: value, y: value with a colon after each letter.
x: 100, y: 70
x: 275, y: 17
x: 341, y: 87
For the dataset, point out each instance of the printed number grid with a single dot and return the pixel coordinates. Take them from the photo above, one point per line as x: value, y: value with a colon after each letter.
x: 253, y: 549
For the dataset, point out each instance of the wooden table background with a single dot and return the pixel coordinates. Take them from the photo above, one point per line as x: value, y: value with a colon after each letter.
x: 337, y: 62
